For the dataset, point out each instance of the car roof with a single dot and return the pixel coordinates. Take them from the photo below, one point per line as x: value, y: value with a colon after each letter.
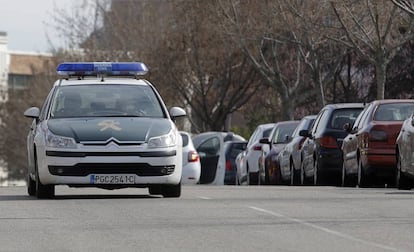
x: 197, y: 139
x: 285, y: 123
x: 99, y: 81
x: 344, y: 105
x: 388, y: 101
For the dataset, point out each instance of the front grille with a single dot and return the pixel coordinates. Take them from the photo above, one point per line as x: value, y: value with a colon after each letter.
x: 84, y: 169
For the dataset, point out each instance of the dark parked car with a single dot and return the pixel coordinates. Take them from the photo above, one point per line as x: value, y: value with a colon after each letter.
x: 269, y: 166
x: 210, y: 147
x: 231, y: 150
x: 291, y: 156
x: 405, y: 157
x: 322, y: 155
x: 370, y: 146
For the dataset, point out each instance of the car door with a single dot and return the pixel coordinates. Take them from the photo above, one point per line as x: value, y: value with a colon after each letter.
x: 350, y: 145
x: 407, y: 145
x: 309, y: 145
x: 212, y: 159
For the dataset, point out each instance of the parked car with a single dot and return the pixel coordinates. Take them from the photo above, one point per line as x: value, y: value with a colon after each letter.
x: 247, y: 162
x: 322, y: 155
x: 191, y: 161
x: 349, y: 152
x: 405, y: 157
x: 270, y: 171
x: 291, y: 155
x: 371, y: 144
x: 210, y: 147
x: 231, y: 150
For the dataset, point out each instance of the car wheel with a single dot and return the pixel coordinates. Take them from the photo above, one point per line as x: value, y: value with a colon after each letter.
x: 362, y: 177
x: 31, y: 186
x: 253, y: 178
x: 345, y: 179
x: 292, y: 174
x: 316, y: 173
x: 171, y: 191
x: 402, y: 182
x: 43, y: 191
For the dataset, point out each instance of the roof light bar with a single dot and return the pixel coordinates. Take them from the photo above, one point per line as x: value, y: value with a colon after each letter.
x: 102, y: 68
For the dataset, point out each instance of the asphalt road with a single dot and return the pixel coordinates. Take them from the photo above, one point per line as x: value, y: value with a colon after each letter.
x: 209, y: 218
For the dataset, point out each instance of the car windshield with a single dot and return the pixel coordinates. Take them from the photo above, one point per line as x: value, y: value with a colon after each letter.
x: 393, y: 111
x: 105, y: 101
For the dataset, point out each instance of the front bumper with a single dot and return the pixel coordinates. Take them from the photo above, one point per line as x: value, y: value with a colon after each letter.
x: 78, y: 168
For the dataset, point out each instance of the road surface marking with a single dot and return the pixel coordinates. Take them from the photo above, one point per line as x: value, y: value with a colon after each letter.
x: 204, y: 198
x: 326, y: 230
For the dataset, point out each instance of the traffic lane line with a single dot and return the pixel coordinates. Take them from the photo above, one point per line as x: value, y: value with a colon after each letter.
x: 323, y: 229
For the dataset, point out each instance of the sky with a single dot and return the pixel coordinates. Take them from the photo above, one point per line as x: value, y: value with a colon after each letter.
x: 25, y: 22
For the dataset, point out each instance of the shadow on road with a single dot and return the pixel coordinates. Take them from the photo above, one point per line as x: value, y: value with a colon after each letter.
x: 78, y: 197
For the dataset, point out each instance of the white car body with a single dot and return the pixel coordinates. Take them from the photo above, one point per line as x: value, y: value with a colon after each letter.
x: 247, y: 162
x: 191, y: 161
x: 91, y: 149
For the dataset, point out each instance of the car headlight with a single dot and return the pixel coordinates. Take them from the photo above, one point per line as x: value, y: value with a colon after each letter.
x: 167, y: 140
x: 56, y: 141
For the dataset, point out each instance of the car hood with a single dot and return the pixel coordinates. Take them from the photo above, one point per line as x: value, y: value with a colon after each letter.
x: 103, y: 129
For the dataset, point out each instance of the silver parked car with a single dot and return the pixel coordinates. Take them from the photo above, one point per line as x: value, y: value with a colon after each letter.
x: 291, y: 156
x: 247, y: 162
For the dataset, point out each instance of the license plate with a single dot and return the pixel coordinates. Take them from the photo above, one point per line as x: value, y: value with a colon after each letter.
x: 112, y: 179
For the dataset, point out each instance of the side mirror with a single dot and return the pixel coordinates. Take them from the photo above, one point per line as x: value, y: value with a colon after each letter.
x: 347, y: 127
x: 176, y: 112
x: 32, y: 112
x: 412, y: 121
x: 304, y: 133
x: 264, y: 141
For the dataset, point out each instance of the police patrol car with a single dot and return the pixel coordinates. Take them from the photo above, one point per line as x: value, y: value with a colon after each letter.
x: 101, y: 126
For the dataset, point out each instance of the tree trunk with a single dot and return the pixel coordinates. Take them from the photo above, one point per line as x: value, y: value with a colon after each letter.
x: 381, y: 77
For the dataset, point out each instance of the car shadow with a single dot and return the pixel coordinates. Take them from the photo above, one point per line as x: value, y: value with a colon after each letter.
x: 401, y: 192
x: 78, y: 197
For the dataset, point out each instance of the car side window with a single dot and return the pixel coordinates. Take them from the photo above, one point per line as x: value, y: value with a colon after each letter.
x: 45, y: 106
x: 318, y: 120
x: 359, y: 119
x: 210, y: 147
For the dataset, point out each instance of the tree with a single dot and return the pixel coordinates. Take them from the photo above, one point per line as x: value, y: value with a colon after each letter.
x: 405, y: 5
x: 287, y: 42
x: 373, y: 29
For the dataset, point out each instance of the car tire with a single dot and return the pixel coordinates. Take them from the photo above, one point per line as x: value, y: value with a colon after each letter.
x: 171, y: 191
x: 253, y: 178
x: 316, y: 173
x: 31, y: 186
x: 362, y: 177
x: 293, y: 177
x: 346, y: 180
x: 43, y: 191
x: 402, y: 182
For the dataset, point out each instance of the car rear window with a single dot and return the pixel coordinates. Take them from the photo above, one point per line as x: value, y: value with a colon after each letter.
x: 393, y: 111
x: 342, y: 116
x: 235, y: 149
